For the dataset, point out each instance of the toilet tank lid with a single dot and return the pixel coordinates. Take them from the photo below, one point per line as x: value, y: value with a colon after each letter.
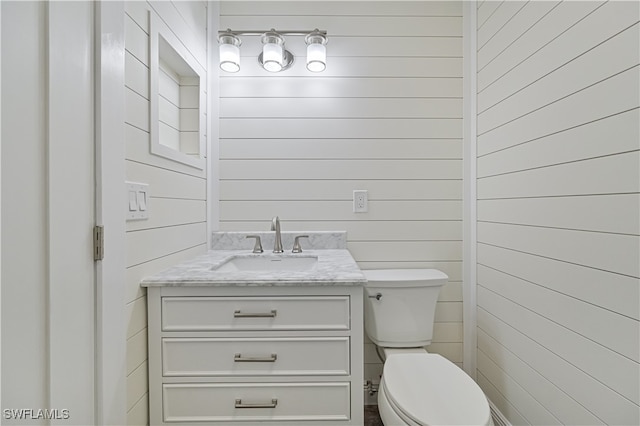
x: 407, y: 276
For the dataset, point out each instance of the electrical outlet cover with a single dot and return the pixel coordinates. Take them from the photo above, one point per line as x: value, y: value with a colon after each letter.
x: 360, y: 201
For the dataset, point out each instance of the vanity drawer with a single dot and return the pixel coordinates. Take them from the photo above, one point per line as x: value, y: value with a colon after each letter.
x: 255, y: 313
x: 230, y: 402
x: 280, y: 356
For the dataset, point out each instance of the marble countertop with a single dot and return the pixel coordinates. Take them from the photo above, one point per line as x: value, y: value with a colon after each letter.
x: 334, y: 267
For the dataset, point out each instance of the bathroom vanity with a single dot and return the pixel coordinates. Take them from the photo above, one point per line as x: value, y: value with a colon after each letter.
x: 243, y: 338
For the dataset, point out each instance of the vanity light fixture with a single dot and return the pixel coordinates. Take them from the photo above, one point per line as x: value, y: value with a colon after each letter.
x: 274, y: 56
x: 316, y: 51
x: 229, y: 52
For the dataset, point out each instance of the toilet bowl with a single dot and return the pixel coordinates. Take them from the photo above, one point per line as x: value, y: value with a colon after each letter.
x: 417, y: 388
x: 427, y: 389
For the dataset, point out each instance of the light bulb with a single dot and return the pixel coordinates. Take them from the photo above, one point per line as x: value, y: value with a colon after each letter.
x: 316, y: 51
x: 316, y: 57
x: 272, y: 57
x: 229, y: 53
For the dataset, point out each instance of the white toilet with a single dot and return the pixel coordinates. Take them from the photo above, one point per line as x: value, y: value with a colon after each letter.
x: 417, y: 388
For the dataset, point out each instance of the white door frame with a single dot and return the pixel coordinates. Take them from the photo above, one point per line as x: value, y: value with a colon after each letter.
x: 469, y: 236
x: 69, y: 148
x: 110, y: 199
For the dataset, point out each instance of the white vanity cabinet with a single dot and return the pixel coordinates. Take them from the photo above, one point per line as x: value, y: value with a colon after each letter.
x: 244, y: 355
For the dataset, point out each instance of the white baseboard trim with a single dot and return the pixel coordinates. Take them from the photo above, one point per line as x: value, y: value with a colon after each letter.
x: 498, y: 418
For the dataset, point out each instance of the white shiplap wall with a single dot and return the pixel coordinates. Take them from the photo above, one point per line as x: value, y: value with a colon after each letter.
x: 385, y: 116
x: 558, y: 210
x: 176, y: 229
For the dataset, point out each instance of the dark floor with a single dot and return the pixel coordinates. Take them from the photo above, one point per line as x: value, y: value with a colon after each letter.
x: 371, y: 416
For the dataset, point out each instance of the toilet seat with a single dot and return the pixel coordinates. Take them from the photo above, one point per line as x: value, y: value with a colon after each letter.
x: 427, y: 389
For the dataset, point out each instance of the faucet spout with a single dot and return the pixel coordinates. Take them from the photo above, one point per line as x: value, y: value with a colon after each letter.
x: 275, y: 226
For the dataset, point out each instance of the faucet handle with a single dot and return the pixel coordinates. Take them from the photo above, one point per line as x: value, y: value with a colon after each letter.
x: 258, y: 247
x: 296, y: 244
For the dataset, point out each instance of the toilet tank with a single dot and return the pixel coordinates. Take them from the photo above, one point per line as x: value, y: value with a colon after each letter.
x: 400, y: 305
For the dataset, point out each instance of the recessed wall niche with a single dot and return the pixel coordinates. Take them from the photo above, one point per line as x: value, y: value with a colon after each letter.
x: 177, y: 81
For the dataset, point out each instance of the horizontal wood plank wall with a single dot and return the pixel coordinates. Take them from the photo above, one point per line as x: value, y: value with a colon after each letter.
x: 385, y: 116
x: 176, y: 228
x: 558, y: 210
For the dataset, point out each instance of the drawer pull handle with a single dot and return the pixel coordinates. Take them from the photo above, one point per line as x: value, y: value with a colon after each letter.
x: 240, y: 404
x: 240, y: 314
x: 240, y: 358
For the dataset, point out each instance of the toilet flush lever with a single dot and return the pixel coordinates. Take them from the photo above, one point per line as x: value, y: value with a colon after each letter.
x: 377, y: 296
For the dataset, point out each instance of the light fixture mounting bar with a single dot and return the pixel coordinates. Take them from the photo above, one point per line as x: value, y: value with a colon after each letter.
x: 261, y: 32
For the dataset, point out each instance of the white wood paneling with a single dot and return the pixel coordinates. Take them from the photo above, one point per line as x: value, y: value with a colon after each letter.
x: 346, y: 108
x: 563, y: 407
x: 137, y: 350
x: 547, y: 29
x: 614, y: 213
x: 616, y: 253
x: 497, y: 21
x: 391, y: 26
x: 330, y: 128
x: 406, y: 251
x: 135, y: 274
x: 531, y: 409
x: 137, y: 75
x: 506, y: 408
x: 596, y: 28
x: 559, y: 212
x: 171, y: 212
x: 616, y: 94
x: 150, y: 244
x: 397, y: 189
x: 193, y: 38
x: 354, y: 87
x: 136, y: 110
x: 385, y: 116
x: 137, y: 147
x: 136, y: 317
x: 601, y: 400
x: 586, y: 178
x: 340, y: 149
x: 486, y: 10
x: 519, y: 24
x: 341, y: 169
x: 621, y: 373
x: 341, y: 210
x: 135, y: 39
x: 576, y: 143
x: 176, y: 228
x: 572, y: 77
x: 139, y: 414
x: 593, y: 286
x: 582, y: 318
x: 137, y: 385
x: 319, y: 7
x: 167, y: 183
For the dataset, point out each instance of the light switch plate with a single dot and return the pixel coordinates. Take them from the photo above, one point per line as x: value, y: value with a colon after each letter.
x: 137, y: 200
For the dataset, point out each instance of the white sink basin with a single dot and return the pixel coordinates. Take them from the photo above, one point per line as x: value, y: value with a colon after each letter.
x: 268, y: 263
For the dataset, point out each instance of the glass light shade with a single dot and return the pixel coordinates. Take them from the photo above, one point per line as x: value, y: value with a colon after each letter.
x: 229, y: 57
x: 316, y: 57
x: 272, y: 57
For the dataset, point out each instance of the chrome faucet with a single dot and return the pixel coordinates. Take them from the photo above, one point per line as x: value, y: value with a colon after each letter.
x: 275, y: 226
